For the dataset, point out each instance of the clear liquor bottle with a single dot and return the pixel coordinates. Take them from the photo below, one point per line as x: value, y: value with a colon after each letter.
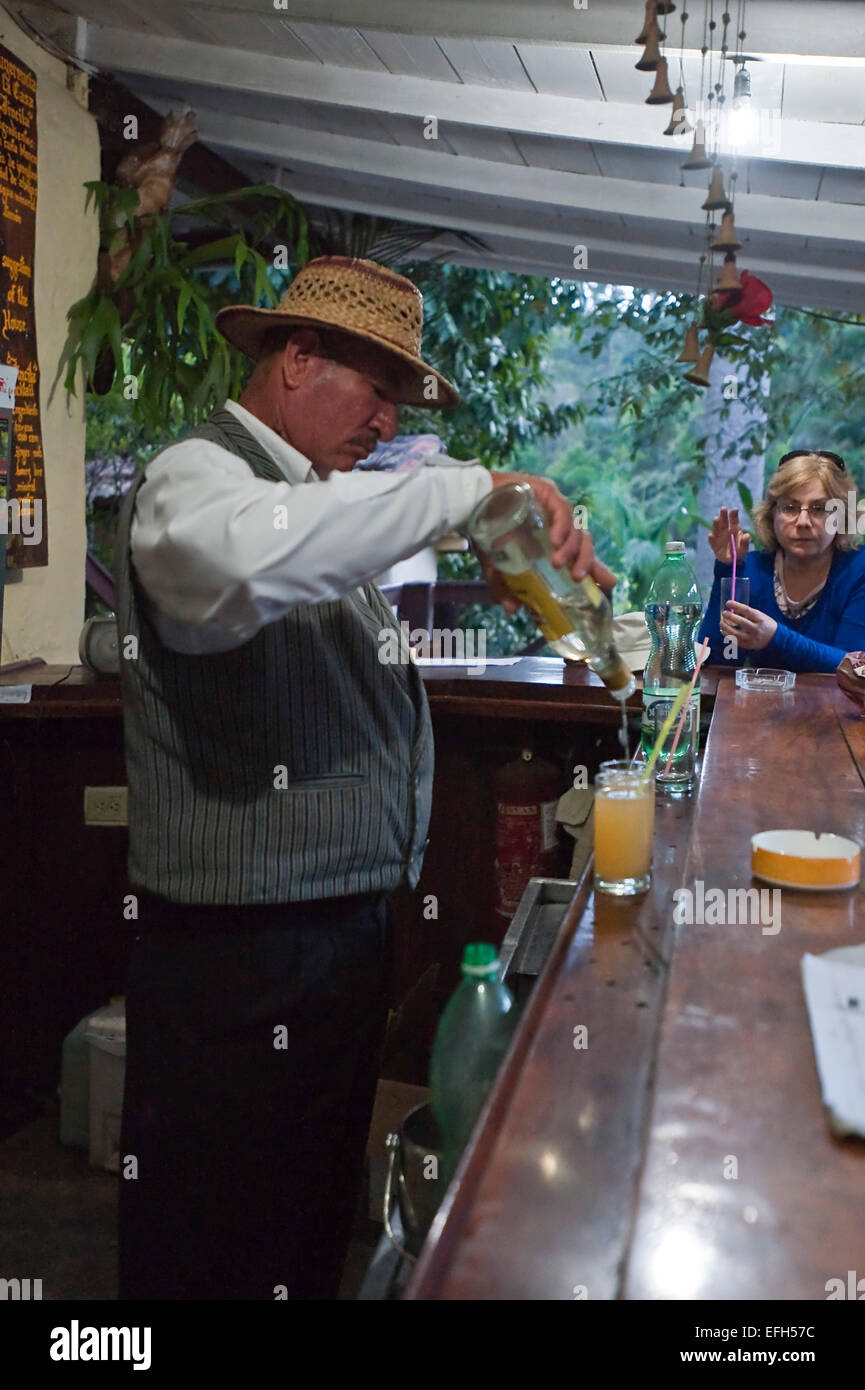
x: 509, y: 529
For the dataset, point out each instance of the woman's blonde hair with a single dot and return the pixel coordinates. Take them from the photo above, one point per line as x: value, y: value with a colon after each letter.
x: 806, y: 468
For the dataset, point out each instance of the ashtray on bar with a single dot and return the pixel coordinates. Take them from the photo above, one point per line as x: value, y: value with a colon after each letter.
x: 817, y: 863
x: 764, y: 678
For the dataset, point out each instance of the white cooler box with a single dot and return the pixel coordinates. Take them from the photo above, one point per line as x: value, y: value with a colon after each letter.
x: 91, y: 1092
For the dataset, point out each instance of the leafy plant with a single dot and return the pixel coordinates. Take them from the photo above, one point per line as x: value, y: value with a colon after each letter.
x: 153, y: 329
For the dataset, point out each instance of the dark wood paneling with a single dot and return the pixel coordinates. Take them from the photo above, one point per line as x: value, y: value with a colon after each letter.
x: 63, y: 941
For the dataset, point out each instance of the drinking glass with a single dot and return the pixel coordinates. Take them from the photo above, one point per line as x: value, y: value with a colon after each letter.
x: 743, y: 590
x: 683, y: 768
x: 624, y: 826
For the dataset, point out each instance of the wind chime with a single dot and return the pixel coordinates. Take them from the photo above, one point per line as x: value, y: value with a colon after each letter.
x: 723, y: 295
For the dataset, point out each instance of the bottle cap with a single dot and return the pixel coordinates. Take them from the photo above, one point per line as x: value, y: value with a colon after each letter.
x: 674, y: 548
x: 480, y: 958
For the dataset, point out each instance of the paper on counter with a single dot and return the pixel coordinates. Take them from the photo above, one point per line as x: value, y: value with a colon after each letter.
x: 472, y: 661
x: 834, y: 986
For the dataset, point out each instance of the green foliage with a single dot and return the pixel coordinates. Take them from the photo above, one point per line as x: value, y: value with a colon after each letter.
x: 646, y: 441
x: 575, y: 381
x: 487, y: 331
x: 156, y: 325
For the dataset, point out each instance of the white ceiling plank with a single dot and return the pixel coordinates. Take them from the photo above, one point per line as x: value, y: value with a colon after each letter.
x: 405, y: 130
x: 94, y: 11
x: 843, y: 186
x: 258, y: 33
x: 545, y: 187
x: 494, y: 145
x: 573, y: 156
x: 561, y: 72
x: 486, y: 64
x: 652, y: 166
x: 779, y: 180
x: 411, y: 55
x: 521, y: 112
x: 276, y: 111
x: 341, y: 48
x: 838, y: 94
x: 832, y: 27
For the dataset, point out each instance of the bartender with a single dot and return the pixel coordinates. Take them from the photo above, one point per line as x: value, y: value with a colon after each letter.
x: 279, y: 787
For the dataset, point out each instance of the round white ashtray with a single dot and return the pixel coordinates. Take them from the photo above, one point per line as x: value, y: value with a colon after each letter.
x: 801, y: 859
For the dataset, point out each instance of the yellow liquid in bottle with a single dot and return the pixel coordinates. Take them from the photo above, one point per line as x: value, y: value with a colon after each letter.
x: 553, y: 618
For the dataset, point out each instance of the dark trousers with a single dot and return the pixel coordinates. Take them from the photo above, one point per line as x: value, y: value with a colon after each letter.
x: 253, y: 1043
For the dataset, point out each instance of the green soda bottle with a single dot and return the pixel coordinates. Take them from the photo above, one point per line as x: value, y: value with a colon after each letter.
x: 472, y: 1039
x: 673, y: 610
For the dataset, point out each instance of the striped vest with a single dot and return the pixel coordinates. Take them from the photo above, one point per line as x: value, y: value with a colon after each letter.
x: 294, y: 767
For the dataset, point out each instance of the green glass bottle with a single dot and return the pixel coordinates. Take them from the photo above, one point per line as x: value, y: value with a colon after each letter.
x: 472, y: 1039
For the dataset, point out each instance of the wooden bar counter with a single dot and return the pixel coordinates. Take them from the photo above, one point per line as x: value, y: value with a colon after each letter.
x: 64, y: 939
x: 683, y: 1153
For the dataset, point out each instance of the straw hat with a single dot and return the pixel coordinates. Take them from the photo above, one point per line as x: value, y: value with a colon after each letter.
x: 361, y: 298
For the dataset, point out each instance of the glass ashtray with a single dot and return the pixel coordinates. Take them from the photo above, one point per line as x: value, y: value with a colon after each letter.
x: 764, y: 678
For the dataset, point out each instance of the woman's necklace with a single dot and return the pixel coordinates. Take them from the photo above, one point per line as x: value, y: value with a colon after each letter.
x: 795, y: 607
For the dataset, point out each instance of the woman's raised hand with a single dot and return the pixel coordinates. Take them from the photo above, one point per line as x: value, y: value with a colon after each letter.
x: 723, y: 528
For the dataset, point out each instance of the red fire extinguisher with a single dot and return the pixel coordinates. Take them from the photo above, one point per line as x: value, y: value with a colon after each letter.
x: 527, y: 792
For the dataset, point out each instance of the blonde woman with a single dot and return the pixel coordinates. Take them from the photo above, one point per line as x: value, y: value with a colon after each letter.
x: 807, y: 600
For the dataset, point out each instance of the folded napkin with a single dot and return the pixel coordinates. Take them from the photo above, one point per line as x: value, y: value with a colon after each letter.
x: 574, y: 814
x: 834, y: 986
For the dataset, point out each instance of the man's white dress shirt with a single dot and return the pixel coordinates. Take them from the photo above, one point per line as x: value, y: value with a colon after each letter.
x: 216, y: 561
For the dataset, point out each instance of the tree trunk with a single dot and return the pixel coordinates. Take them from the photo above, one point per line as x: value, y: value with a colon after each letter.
x: 719, y: 485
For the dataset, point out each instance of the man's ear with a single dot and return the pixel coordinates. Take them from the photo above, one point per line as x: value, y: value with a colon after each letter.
x: 297, y: 356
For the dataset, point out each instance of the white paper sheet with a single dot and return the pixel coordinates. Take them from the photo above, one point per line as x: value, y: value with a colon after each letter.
x: 834, y: 986
x: 15, y: 694
x: 466, y: 661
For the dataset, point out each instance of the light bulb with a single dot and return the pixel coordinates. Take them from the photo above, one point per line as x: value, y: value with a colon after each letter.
x: 742, y: 123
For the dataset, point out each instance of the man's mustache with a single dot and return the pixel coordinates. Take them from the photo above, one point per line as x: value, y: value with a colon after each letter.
x: 367, y: 441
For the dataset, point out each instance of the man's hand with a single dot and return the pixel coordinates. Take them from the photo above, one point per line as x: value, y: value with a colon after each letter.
x: 573, y: 548
x: 752, y: 629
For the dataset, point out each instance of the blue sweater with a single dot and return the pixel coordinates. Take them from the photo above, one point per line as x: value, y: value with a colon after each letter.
x: 815, y: 642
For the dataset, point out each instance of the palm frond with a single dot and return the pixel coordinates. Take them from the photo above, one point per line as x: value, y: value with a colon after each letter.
x: 334, y: 232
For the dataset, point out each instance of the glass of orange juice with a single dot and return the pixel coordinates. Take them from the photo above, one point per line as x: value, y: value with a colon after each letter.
x: 624, y: 827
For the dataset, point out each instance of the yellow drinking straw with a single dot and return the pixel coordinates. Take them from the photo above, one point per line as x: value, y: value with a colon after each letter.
x: 683, y: 695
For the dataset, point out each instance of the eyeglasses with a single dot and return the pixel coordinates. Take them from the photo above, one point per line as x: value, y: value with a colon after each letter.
x: 790, y: 510
x: 821, y: 453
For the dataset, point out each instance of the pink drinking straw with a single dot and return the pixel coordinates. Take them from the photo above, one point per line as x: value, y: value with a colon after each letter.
x: 701, y: 657
x: 733, y: 548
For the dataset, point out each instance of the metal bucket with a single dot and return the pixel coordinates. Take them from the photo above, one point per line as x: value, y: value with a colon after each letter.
x: 414, y: 1165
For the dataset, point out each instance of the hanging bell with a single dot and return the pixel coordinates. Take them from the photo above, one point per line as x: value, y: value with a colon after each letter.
x: 660, y: 93
x: 698, y: 159
x: 726, y: 240
x: 648, y: 21
x: 729, y: 278
x: 679, y: 116
x: 717, y: 198
x: 691, y: 349
x: 652, y: 54
x: 699, y: 373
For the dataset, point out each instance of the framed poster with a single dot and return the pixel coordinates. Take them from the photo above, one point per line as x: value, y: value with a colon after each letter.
x: 27, y: 545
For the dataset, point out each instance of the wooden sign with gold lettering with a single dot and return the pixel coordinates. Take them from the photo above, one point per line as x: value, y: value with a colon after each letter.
x: 28, y: 538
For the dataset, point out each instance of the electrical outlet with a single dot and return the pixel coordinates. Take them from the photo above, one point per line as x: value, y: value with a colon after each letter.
x: 105, y: 805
